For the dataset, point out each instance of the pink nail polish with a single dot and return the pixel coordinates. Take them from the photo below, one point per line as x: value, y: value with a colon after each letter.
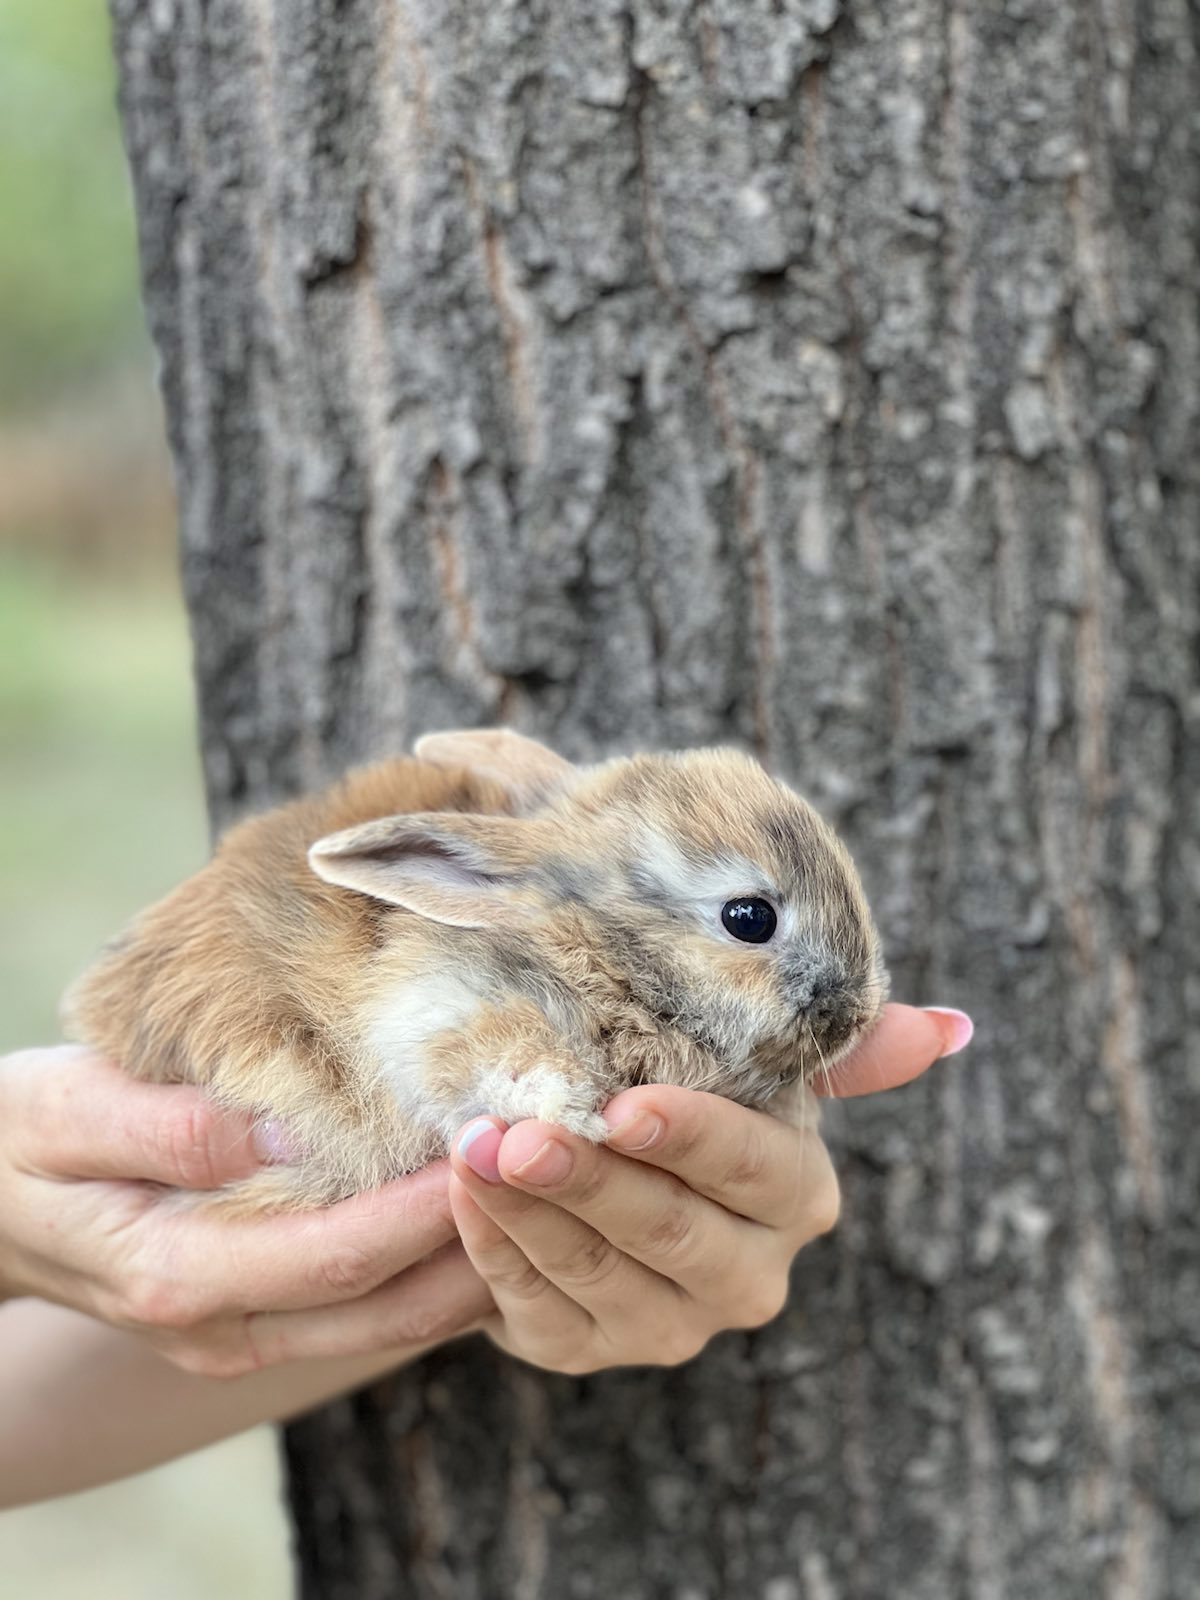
x: 958, y: 1030
x: 480, y: 1152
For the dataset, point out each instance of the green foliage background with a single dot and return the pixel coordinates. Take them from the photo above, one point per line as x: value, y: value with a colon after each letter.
x: 99, y: 787
x: 68, y: 297
x: 101, y: 808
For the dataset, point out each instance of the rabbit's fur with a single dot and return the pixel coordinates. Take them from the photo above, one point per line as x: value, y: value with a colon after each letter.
x: 483, y: 928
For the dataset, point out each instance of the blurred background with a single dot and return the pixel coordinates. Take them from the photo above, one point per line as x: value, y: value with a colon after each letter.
x: 101, y: 808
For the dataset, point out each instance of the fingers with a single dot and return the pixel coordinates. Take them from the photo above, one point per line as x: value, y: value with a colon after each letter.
x: 81, y: 1116
x: 904, y: 1044
x: 626, y: 1210
x: 178, y: 1269
x: 596, y: 1261
x: 746, y: 1161
x: 600, y: 1262
x: 513, y: 1238
x: 566, y: 1297
x: 536, y: 1319
x: 432, y: 1301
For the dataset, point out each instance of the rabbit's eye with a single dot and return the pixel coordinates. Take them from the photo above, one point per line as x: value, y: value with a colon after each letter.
x: 752, y: 921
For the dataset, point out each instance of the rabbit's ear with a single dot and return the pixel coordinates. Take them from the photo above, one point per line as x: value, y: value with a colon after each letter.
x: 529, y: 772
x: 459, y: 869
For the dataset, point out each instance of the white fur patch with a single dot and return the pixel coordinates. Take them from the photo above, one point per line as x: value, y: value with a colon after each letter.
x: 544, y: 1093
x: 399, y: 1032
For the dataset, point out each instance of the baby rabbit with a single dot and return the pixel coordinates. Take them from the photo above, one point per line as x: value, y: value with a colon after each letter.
x: 484, y: 928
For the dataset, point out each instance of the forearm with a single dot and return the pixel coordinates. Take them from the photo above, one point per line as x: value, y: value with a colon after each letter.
x: 82, y: 1403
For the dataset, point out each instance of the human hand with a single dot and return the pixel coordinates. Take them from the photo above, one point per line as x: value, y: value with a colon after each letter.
x: 85, y: 1221
x: 684, y: 1224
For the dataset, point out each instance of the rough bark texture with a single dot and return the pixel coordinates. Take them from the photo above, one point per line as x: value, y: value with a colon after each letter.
x: 826, y: 378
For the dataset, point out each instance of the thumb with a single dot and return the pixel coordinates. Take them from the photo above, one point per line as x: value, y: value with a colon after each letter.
x: 84, y: 1118
x: 904, y: 1043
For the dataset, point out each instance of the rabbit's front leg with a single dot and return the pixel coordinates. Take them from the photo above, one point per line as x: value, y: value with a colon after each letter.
x: 509, y: 1063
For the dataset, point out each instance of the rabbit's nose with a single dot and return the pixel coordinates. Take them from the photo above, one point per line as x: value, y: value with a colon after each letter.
x: 813, y: 985
x: 828, y: 1012
x: 825, y: 981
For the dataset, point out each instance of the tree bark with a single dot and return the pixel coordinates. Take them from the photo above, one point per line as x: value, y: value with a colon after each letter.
x: 825, y: 378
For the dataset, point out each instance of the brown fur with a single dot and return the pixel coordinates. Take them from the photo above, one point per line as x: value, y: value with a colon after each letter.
x: 552, y: 940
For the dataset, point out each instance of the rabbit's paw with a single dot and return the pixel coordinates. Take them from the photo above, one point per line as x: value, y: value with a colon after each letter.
x: 546, y: 1093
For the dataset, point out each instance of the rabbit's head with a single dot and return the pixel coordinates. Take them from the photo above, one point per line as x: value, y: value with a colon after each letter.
x: 729, y: 908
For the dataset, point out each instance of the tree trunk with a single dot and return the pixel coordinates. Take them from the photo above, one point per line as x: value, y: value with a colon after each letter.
x: 826, y: 379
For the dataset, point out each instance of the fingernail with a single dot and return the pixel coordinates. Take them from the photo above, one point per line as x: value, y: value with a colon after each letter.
x: 958, y: 1030
x: 479, y: 1152
x: 551, y: 1164
x: 274, y: 1144
x: 638, y: 1132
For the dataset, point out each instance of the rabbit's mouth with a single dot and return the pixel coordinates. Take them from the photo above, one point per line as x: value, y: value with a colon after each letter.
x: 823, y: 1034
x: 828, y: 1041
x: 834, y: 1007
